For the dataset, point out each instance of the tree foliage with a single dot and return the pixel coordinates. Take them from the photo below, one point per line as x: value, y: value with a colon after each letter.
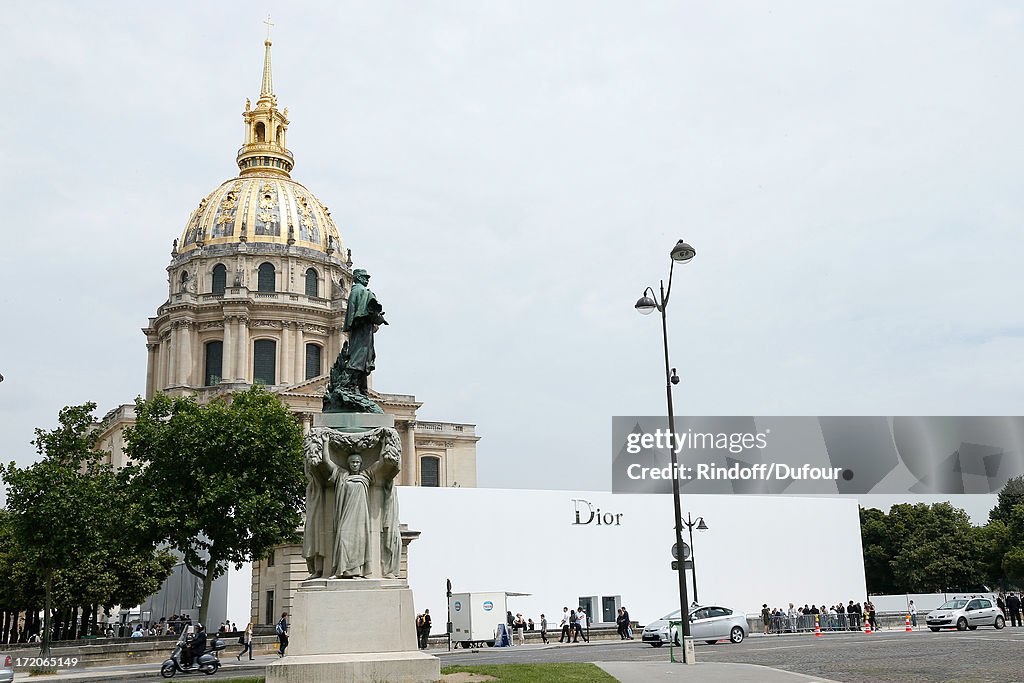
x: 70, y: 517
x: 921, y: 549
x: 225, y: 479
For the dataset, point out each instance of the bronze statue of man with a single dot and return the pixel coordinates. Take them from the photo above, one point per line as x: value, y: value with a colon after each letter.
x: 362, y: 318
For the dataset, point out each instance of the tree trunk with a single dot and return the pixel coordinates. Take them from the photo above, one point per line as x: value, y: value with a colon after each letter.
x: 44, y: 649
x: 204, y: 608
x: 5, y: 629
x: 73, y: 623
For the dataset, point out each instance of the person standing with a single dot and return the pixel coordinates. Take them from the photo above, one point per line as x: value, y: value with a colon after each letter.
x: 869, y: 607
x: 246, y: 642
x: 282, y: 634
x: 574, y: 625
x: 520, y: 628
x: 1013, y: 607
x: 766, y: 618
x: 582, y: 625
x: 544, y: 629
x: 424, y: 629
x: 912, y: 609
x: 565, y: 625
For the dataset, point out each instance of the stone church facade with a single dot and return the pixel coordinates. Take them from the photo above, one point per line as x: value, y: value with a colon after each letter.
x: 257, y: 288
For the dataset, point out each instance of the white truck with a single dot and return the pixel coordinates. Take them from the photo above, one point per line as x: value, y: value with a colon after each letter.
x: 475, y: 616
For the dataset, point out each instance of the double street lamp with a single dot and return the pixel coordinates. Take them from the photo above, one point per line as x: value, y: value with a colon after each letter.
x: 681, y: 253
x: 690, y: 523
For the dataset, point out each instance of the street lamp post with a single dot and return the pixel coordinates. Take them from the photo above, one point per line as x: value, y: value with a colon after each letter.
x: 681, y: 253
x: 701, y: 526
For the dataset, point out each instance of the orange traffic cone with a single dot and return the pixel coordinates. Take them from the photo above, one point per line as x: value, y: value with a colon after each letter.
x: 817, y: 627
x: 867, y: 627
x: 908, y: 629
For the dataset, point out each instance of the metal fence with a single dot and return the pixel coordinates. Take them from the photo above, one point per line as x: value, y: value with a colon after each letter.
x: 803, y: 623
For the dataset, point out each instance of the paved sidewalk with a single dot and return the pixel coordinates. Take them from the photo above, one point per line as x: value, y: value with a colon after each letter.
x: 705, y: 672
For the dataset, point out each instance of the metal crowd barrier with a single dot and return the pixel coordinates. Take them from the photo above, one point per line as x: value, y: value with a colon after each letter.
x: 804, y: 623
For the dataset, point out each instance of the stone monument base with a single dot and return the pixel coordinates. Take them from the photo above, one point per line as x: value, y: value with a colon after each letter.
x: 404, y: 667
x: 353, y: 630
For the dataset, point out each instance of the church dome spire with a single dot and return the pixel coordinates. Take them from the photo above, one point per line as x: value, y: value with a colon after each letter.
x: 264, y: 150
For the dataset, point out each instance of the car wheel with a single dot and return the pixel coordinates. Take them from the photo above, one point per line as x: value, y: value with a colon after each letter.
x: 710, y: 642
x: 657, y: 644
x: 167, y: 671
x: 1000, y: 622
x: 935, y: 629
x: 961, y: 624
x: 736, y: 635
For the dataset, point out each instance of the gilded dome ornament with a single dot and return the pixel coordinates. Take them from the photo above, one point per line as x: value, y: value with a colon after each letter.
x: 263, y: 194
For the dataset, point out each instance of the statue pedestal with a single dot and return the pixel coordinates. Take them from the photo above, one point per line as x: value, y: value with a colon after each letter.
x: 353, y: 630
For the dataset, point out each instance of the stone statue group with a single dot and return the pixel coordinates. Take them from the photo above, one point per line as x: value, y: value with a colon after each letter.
x: 352, y: 528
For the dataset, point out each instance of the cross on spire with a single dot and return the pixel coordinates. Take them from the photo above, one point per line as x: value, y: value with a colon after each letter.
x: 269, y: 26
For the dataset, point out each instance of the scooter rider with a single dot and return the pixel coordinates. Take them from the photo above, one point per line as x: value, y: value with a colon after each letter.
x: 198, y: 645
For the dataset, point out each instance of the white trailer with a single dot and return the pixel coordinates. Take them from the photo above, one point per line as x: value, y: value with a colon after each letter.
x: 475, y: 616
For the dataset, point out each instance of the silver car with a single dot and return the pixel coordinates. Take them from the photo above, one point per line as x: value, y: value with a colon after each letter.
x: 966, y: 613
x: 709, y: 623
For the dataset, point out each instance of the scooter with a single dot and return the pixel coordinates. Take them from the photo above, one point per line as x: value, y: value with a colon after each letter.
x: 208, y: 662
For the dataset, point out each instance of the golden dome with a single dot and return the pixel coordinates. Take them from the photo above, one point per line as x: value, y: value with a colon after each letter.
x: 263, y: 204
x: 261, y: 209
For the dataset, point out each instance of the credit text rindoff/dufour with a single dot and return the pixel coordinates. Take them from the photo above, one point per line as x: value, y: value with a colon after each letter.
x: 773, y: 471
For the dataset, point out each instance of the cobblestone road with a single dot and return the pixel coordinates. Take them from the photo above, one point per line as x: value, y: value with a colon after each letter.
x: 982, y: 656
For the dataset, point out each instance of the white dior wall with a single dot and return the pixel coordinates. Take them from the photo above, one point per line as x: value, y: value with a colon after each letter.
x: 759, y: 549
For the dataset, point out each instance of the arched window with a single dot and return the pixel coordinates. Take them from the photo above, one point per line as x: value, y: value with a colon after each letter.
x: 220, y: 279
x: 430, y: 471
x: 266, y: 281
x: 264, y: 361
x: 261, y: 132
x: 312, y: 283
x: 312, y: 361
x: 214, y: 363
x: 184, y: 281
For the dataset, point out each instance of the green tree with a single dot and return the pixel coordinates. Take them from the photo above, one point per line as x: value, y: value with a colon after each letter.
x: 936, y: 549
x: 226, y: 477
x: 921, y: 549
x: 878, y: 549
x: 59, y: 517
x: 1011, y: 495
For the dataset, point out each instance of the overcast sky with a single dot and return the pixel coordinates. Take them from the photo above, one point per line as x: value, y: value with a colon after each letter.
x: 513, y: 174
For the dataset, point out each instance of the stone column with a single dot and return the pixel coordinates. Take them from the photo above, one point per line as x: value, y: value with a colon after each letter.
x: 162, y: 361
x: 242, y: 350
x: 300, y: 352
x: 409, y: 459
x: 287, y: 376
x: 152, y: 368
x: 185, y: 354
x: 227, y: 369
x: 172, y: 356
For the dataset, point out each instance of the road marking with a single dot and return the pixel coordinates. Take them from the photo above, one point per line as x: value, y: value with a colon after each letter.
x: 760, y: 649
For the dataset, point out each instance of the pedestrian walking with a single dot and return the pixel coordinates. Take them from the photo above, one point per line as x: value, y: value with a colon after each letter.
x: 766, y: 618
x: 1013, y: 607
x: 282, y: 634
x: 629, y: 622
x: 544, y: 629
x: 574, y: 625
x: 564, y: 625
x: 583, y: 625
x: 245, y: 640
